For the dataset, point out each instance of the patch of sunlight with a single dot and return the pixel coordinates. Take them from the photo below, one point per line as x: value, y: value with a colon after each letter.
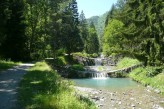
x: 36, y: 82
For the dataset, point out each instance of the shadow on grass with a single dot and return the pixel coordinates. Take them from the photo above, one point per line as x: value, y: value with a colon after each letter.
x: 6, y: 65
x: 44, y: 89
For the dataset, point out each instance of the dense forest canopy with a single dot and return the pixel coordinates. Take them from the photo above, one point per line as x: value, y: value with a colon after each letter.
x: 36, y: 29
x: 135, y: 28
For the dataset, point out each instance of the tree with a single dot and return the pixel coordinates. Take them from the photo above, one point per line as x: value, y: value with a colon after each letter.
x: 112, y: 39
x: 83, y: 29
x: 70, y: 37
x: 14, y: 45
x: 142, y: 33
x: 92, y: 40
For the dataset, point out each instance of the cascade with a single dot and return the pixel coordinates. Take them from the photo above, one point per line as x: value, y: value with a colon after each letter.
x: 99, y: 75
x: 96, y: 73
x: 98, y: 61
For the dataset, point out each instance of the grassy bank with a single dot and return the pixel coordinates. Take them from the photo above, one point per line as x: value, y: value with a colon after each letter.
x: 126, y: 62
x: 7, y: 64
x: 42, y: 88
x: 149, y: 76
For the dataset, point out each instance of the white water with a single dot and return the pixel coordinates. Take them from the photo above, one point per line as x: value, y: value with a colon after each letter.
x: 98, y: 70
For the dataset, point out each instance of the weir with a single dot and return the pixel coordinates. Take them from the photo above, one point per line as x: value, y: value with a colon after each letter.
x: 98, y: 71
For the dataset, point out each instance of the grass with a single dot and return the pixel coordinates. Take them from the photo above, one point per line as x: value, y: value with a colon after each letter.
x: 126, y: 62
x: 7, y: 64
x: 78, y: 67
x: 149, y: 76
x: 42, y: 88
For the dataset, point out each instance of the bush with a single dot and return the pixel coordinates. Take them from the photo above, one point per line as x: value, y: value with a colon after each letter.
x: 61, y: 61
x: 78, y: 67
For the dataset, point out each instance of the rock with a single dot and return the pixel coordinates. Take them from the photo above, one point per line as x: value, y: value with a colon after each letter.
x: 119, y: 103
x: 131, y: 98
x: 101, y: 99
x: 157, y: 91
x: 96, y: 98
x: 100, y: 105
x: 133, y: 105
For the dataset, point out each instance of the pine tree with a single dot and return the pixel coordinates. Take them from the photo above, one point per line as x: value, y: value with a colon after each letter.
x: 92, y: 40
x: 83, y: 29
x: 14, y: 45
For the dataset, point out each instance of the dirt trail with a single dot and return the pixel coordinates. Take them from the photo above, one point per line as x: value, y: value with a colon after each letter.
x: 9, y: 81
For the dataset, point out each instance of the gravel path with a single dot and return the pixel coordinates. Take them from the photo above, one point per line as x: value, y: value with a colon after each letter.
x: 139, y: 98
x: 9, y: 81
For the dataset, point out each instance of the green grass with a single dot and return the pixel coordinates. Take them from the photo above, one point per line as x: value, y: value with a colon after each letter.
x: 126, y: 62
x: 144, y: 76
x: 42, y: 88
x: 78, y: 67
x: 7, y: 64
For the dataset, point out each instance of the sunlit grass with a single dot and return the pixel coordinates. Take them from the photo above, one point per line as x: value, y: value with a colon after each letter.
x: 143, y: 76
x: 127, y: 62
x: 42, y: 88
x: 7, y: 64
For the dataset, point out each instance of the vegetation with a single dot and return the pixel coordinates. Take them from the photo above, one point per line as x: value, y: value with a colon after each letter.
x: 85, y: 55
x: 135, y: 28
x: 42, y: 88
x: 78, y: 67
x: 127, y: 62
x: 7, y: 64
x: 152, y: 76
x: 99, y: 22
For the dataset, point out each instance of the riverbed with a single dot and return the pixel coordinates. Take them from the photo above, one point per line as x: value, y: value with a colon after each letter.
x: 121, y: 94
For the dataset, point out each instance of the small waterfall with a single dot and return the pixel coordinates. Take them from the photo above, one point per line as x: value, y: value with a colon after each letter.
x: 99, y: 75
x: 98, y: 61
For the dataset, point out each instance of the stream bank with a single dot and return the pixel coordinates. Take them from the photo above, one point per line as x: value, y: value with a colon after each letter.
x: 136, y: 98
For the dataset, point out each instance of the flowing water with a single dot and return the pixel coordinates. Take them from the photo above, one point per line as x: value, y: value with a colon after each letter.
x: 120, y: 93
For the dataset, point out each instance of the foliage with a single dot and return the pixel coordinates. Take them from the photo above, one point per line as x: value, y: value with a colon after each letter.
x: 42, y: 88
x: 61, y: 61
x: 112, y: 39
x: 7, y: 64
x: 35, y: 29
x: 78, y: 67
x: 99, y: 22
x: 85, y: 55
x: 93, y: 45
x: 84, y: 32
x: 127, y: 62
x: 141, y: 33
x: 143, y: 76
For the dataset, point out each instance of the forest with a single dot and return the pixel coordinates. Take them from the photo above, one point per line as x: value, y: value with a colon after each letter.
x: 135, y: 28
x: 34, y: 29
x: 37, y: 30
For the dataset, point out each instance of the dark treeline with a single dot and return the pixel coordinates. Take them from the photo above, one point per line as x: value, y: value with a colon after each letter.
x: 35, y: 29
x: 135, y: 28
